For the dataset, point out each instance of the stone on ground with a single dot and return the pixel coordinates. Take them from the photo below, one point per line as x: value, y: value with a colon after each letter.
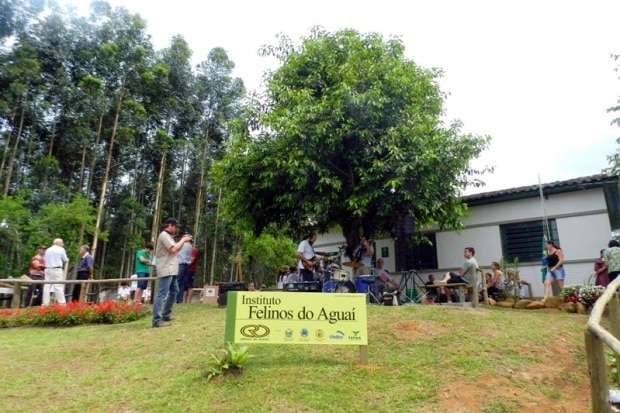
x: 554, y: 302
x: 535, y: 305
x: 523, y: 303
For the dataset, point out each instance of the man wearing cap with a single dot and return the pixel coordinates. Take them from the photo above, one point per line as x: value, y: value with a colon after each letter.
x: 167, y: 265
x: 55, y: 261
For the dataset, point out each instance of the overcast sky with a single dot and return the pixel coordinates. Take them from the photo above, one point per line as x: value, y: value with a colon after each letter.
x: 535, y: 75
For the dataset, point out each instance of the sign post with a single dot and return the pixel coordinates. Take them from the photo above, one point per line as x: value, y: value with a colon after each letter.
x: 297, y: 318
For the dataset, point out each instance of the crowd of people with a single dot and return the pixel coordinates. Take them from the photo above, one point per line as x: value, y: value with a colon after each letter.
x: 174, y: 261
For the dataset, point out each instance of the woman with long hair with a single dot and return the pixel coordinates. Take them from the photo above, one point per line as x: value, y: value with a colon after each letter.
x: 555, y: 267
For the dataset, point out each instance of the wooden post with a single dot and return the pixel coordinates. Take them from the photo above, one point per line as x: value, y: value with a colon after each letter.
x: 17, y: 295
x: 598, y: 374
x: 614, y: 324
x: 485, y: 293
x: 462, y: 295
x: 83, y: 292
x: 474, y: 291
x: 363, y: 354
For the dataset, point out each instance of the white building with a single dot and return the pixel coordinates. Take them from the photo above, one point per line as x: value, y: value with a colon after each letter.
x: 582, y: 213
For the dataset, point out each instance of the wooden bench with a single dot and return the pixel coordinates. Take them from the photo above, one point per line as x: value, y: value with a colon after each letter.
x: 462, y: 287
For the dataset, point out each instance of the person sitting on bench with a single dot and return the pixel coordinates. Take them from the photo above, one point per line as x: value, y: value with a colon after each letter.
x: 465, y: 275
x: 384, y: 282
x: 432, y: 292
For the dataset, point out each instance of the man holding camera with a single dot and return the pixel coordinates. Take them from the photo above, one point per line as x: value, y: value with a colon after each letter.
x: 167, y: 264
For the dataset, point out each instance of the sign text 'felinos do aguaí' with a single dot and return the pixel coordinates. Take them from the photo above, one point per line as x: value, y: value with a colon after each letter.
x: 296, y: 318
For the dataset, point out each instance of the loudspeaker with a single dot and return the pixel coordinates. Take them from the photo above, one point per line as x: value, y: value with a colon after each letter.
x: 224, y: 288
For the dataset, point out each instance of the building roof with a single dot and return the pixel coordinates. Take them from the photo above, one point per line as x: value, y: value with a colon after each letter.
x: 570, y: 185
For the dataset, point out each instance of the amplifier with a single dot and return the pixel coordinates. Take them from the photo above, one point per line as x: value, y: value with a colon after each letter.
x: 304, y: 286
x: 225, y: 287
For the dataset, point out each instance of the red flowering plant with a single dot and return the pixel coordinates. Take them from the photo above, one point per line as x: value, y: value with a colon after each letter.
x: 72, y: 314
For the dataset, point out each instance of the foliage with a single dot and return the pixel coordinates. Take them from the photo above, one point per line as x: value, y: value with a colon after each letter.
x: 614, y: 159
x: 71, y: 314
x: 266, y: 253
x: 232, y: 361
x: 350, y: 132
x: 584, y: 294
x: 68, y: 84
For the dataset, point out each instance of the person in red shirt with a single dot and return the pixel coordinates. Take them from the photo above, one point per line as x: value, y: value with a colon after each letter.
x: 36, y: 271
x: 191, y: 271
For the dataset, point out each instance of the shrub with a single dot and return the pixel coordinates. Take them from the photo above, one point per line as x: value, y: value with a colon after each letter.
x: 232, y: 361
x: 584, y: 294
x: 72, y: 314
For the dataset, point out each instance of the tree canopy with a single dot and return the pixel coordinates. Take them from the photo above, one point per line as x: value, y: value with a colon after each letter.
x: 350, y: 132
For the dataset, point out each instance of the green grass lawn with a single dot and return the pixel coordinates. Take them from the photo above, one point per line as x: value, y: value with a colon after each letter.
x: 423, y: 359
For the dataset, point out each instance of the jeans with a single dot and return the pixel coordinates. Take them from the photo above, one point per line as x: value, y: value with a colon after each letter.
x: 165, y: 298
x: 32, y: 288
x: 306, y: 275
x: 182, y: 281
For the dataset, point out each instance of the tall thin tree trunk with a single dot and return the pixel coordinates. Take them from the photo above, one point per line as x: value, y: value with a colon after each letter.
x: 5, y: 152
x: 93, y: 160
x: 120, y: 271
x: 9, y: 172
x: 217, y: 219
x: 104, y: 185
x: 199, y: 196
x: 205, y: 258
x: 182, y: 189
x: 158, y: 197
x: 103, y: 255
x: 53, y: 137
x: 82, y: 165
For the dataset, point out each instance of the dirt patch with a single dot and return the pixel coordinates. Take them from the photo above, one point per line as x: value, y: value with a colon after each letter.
x: 417, y: 330
x: 559, y: 384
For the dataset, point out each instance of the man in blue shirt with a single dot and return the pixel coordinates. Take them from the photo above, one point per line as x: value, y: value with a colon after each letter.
x: 84, y: 272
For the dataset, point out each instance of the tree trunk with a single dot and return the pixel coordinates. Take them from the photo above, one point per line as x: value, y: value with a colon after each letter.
x: 93, y: 160
x: 217, y: 219
x: 82, y: 165
x: 158, y: 197
x: 351, y: 230
x: 53, y: 137
x: 9, y: 172
x: 5, y: 152
x: 104, y: 185
x: 199, y: 196
x: 182, y: 189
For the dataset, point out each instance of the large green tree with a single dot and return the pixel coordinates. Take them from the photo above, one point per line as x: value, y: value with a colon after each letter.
x: 350, y: 133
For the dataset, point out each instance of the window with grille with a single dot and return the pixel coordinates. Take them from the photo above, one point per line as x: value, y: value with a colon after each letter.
x: 524, y: 240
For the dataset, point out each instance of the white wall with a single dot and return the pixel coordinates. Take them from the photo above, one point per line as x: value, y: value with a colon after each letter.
x: 485, y: 240
x: 583, y: 237
x: 390, y: 261
x: 525, y: 209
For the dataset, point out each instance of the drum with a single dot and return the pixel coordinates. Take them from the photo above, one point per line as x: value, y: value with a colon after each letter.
x: 340, y: 275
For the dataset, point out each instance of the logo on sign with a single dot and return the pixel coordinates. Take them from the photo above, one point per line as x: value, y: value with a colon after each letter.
x: 304, y: 333
x: 338, y: 335
x: 320, y: 334
x: 288, y: 334
x: 255, y: 331
x: 355, y: 335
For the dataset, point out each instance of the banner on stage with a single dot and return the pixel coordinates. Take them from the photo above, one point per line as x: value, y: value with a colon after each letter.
x: 296, y: 318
